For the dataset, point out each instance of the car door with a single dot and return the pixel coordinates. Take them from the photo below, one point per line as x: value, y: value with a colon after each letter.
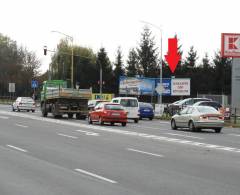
x: 180, y: 117
x: 94, y: 113
x: 187, y: 117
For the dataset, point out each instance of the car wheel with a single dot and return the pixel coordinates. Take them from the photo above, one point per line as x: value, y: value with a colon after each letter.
x: 135, y: 120
x: 151, y: 118
x: 28, y: 110
x: 112, y: 123
x: 140, y: 118
x: 13, y: 109
x: 218, y: 130
x: 173, y: 125
x: 124, y: 124
x: 101, y: 121
x: 33, y: 110
x: 191, y: 126
x: 89, y: 120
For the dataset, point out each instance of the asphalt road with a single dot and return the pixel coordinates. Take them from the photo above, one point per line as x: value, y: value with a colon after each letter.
x: 48, y: 156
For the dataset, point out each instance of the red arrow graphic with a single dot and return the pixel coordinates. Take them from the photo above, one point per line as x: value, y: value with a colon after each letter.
x: 172, y: 56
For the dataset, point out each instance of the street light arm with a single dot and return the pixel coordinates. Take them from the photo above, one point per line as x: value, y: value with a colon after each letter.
x: 70, y: 37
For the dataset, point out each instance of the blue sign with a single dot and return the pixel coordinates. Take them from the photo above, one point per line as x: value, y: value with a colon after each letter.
x: 34, y: 84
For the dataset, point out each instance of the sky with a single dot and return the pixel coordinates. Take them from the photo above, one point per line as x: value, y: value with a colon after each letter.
x: 114, y: 23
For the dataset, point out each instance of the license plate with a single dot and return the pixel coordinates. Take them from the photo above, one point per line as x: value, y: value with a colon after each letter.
x: 213, y: 118
x: 115, y: 114
x: 146, y: 110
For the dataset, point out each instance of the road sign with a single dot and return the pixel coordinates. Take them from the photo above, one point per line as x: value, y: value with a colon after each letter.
x: 11, y: 87
x: 34, y: 84
x: 230, y: 45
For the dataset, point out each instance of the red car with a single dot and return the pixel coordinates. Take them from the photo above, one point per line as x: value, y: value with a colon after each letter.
x: 109, y: 113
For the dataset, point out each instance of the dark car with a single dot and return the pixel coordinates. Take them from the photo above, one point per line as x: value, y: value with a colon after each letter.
x: 146, y: 110
x: 180, y: 104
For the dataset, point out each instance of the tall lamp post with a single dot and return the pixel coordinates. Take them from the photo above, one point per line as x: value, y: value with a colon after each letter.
x: 71, y: 38
x: 161, y: 61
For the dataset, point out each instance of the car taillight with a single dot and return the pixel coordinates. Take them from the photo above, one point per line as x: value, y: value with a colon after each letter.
x: 203, y: 117
x: 221, y: 117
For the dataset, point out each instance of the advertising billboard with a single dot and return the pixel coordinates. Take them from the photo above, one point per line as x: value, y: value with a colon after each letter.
x: 166, y: 83
x: 180, y: 87
x: 136, y: 86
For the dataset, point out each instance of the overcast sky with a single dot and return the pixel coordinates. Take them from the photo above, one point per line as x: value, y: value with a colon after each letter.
x: 113, y: 23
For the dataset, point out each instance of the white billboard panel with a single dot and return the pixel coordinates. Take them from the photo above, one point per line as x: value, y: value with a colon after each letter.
x: 180, y: 87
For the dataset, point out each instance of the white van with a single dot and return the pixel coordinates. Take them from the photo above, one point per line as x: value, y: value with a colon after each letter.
x: 131, y: 105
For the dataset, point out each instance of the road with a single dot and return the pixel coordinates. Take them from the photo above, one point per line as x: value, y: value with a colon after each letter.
x: 48, y: 156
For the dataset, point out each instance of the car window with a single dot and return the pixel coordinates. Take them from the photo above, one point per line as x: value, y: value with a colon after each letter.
x: 115, y: 101
x: 113, y: 107
x: 189, y: 102
x: 129, y: 103
x: 190, y: 110
x: 207, y: 109
x: 184, y: 111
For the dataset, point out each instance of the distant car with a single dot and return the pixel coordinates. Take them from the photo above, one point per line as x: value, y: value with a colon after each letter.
x: 24, y: 103
x: 146, y: 110
x: 197, y: 118
x: 180, y: 104
x: 108, y: 113
x: 93, y: 103
x: 213, y: 104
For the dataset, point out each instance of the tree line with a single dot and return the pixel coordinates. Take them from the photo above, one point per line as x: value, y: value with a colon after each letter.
x: 20, y: 66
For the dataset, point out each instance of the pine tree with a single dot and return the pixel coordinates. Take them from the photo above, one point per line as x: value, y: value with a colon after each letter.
x: 222, y: 72
x: 132, y: 63
x: 107, y: 72
x: 119, y: 69
x: 147, y: 54
x: 205, y: 62
x: 191, y: 59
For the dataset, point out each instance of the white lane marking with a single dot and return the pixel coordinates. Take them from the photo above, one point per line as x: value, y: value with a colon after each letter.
x: 88, y: 133
x: 96, y: 176
x: 69, y: 136
x: 149, y: 153
x: 188, y: 136
x: 19, y: 125
x: 17, y: 148
x: 233, y: 134
x: 122, y: 132
x: 4, y: 117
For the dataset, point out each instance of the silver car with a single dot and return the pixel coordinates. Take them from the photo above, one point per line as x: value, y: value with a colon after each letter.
x: 24, y: 103
x: 197, y: 118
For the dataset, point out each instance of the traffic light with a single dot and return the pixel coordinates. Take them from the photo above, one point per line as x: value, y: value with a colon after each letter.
x: 45, y: 50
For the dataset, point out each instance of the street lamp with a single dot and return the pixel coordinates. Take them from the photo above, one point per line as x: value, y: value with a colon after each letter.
x: 161, y: 61
x: 71, y: 38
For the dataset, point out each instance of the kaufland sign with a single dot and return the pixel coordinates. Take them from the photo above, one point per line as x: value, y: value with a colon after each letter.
x: 230, y: 45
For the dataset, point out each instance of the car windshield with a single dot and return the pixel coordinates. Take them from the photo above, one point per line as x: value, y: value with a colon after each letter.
x: 143, y: 104
x: 113, y: 107
x: 207, y: 109
x: 129, y: 103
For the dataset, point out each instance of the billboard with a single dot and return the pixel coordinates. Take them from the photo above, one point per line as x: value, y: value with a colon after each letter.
x: 230, y: 45
x: 105, y: 96
x: 166, y: 83
x: 136, y: 86
x: 180, y: 87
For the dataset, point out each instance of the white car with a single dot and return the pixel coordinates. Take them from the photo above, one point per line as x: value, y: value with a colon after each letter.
x: 197, y: 118
x: 24, y: 103
x: 130, y: 105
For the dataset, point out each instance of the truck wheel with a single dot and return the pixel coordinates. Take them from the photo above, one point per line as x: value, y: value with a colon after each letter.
x: 70, y: 115
x: 135, y: 120
x: 43, y: 109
